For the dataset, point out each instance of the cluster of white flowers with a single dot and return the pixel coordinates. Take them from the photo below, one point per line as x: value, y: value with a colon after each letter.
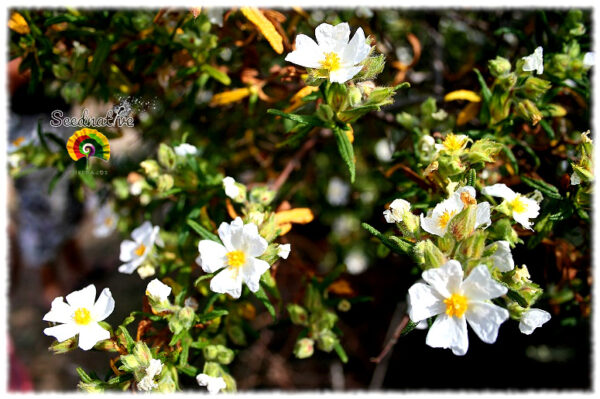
x: 212, y: 384
x: 148, y: 383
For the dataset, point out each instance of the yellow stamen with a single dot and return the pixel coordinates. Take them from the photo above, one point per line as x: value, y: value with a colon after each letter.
x: 518, y: 205
x: 453, y: 142
x: 109, y: 221
x: 18, y: 141
x: 445, y: 218
x: 456, y: 305
x: 236, y: 258
x: 331, y: 62
x: 82, y: 316
x: 140, y: 250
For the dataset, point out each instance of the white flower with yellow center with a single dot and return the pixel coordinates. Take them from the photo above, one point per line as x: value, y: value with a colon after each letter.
x: 147, y: 383
x: 212, y: 384
x: 80, y: 315
x: 398, y: 208
x: 437, y: 222
x: 453, y: 142
x: 534, y: 61
x: 522, y: 208
x: 455, y: 303
x: 231, y: 190
x: 531, y: 319
x: 237, y: 256
x: 105, y: 221
x: 158, y: 290
x: 135, y: 252
x: 333, y: 52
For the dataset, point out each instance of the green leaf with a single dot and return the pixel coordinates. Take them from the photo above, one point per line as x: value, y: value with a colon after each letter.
x: 511, y: 158
x: 216, y: 74
x: 515, y: 296
x: 41, y: 136
x: 398, y: 246
x: 129, y: 342
x: 485, y: 90
x: 340, y: 352
x: 304, y: 119
x: 102, y: 51
x: 346, y: 151
x: 204, y: 233
x: 83, y: 375
x: 262, y: 296
x: 548, y: 190
x: 411, y: 325
x: 212, y: 315
x: 546, y: 126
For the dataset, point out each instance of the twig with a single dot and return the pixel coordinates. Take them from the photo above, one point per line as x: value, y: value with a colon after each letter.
x: 392, y: 341
x: 293, y: 163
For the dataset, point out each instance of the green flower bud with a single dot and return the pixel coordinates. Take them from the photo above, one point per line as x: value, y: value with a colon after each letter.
x: 210, y: 352
x: 237, y: 335
x: 262, y: 195
x: 169, y: 380
x: 224, y: 355
x: 450, y: 164
x: 165, y: 183
x: 584, y: 174
x: 326, y: 340
x: 166, y: 156
x: 514, y: 310
x: 483, y: 150
x: 528, y: 111
x: 91, y: 387
x: 503, y: 230
x: 344, y: 305
x: 428, y: 255
x: 182, y: 320
x: 212, y: 369
x: 65, y: 346
x: 410, y: 223
x: 407, y: 120
x: 298, y: 314
x: 229, y: 382
x: 142, y: 353
x: 325, y: 320
x: 337, y: 96
x: 151, y: 168
x: 499, y: 66
x: 554, y: 110
x: 462, y: 225
x: 536, y: 87
x: 472, y: 247
x: 505, y: 83
x: 304, y: 348
x: 130, y: 363
x: 312, y: 299
x: 354, y: 96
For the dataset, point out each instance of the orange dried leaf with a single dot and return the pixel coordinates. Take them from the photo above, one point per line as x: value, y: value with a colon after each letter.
x: 467, y: 114
x: 265, y: 27
x: 296, y: 215
x: 230, y: 96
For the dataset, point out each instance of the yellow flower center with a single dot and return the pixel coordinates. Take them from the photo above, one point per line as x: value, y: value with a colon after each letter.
x: 456, y: 305
x: 140, y: 250
x: 331, y: 62
x: 18, y: 141
x: 518, y: 205
x: 445, y: 218
x: 236, y: 258
x: 82, y: 316
x: 453, y: 142
x: 109, y: 221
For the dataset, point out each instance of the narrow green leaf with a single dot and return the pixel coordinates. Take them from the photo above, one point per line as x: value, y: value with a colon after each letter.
x: 546, y: 126
x: 204, y: 233
x: 346, y: 151
x: 411, y: 325
x: 212, y: 315
x: 216, y: 74
x: 129, y: 342
x: 397, y: 246
x: 548, y: 190
x: 340, y: 352
x: 102, y: 51
x: 515, y: 296
x: 262, y: 296
x: 304, y: 119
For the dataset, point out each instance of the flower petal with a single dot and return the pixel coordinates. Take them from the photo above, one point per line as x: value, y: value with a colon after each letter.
x: 499, y: 190
x: 479, y: 285
x: 104, y: 306
x: 430, y: 225
x: 59, y: 312
x: 307, y: 53
x: 485, y: 319
x: 229, y: 281
x: 357, y: 49
x: 62, y: 332
x: 129, y: 267
x: 502, y: 258
x: 83, y: 298
x: 90, y: 335
x: 128, y: 248
x: 231, y: 234
x: 449, y: 332
x: 253, y: 269
x: 424, y: 302
x: 332, y: 38
x: 140, y: 233
x: 344, y: 74
x: 482, y: 216
x: 445, y: 279
x: 532, y: 319
x: 254, y: 244
x: 213, y: 256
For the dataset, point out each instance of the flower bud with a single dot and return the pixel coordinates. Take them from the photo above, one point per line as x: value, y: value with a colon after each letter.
x: 224, y: 355
x: 354, y: 96
x: 473, y: 246
x: 304, y: 348
x: 166, y: 156
x: 450, y: 164
x: 326, y: 340
x: 344, y: 305
x: 462, y: 225
x: 536, y: 87
x: 165, y: 183
x: 262, y: 195
x: 528, y: 111
x: 428, y: 255
x: 407, y: 120
x: 506, y: 83
x: 502, y: 230
x: 151, y: 168
x: 337, y: 97
x: 483, y: 150
x: 298, y: 314
x: 64, y: 346
x: 326, y: 320
x: 210, y: 352
x: 555, y: 111
x: 312, y: 299
x: 499, y: 66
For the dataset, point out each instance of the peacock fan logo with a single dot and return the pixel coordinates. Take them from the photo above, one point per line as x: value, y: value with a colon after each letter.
x: 87, y: 143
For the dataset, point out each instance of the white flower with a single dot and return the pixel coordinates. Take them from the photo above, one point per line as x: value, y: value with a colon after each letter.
x: 135, y: 252
x: 457, y: 302
x: 212, y: 384
x: 338, y: 191
x: 502, y: 257
x: 105, y: 221
x: 356, y: 262
x: 334, y: 53
x: 437, y: 222
x: 158, y: 290
x: 283, y: 251
x: 535, y: 61
x: 398, y: 207
x: 147, y: 383
x: 384, y: 150
x: 231, y: 190
x: 185, y: 149
x: 80, y: 315
x: 215, y: 15
x: 237, y: 256
x: 522, y: 208
x: 575, y: 179
x: 135, y: 188
x: 588, y: 60
x: 531, y: 319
